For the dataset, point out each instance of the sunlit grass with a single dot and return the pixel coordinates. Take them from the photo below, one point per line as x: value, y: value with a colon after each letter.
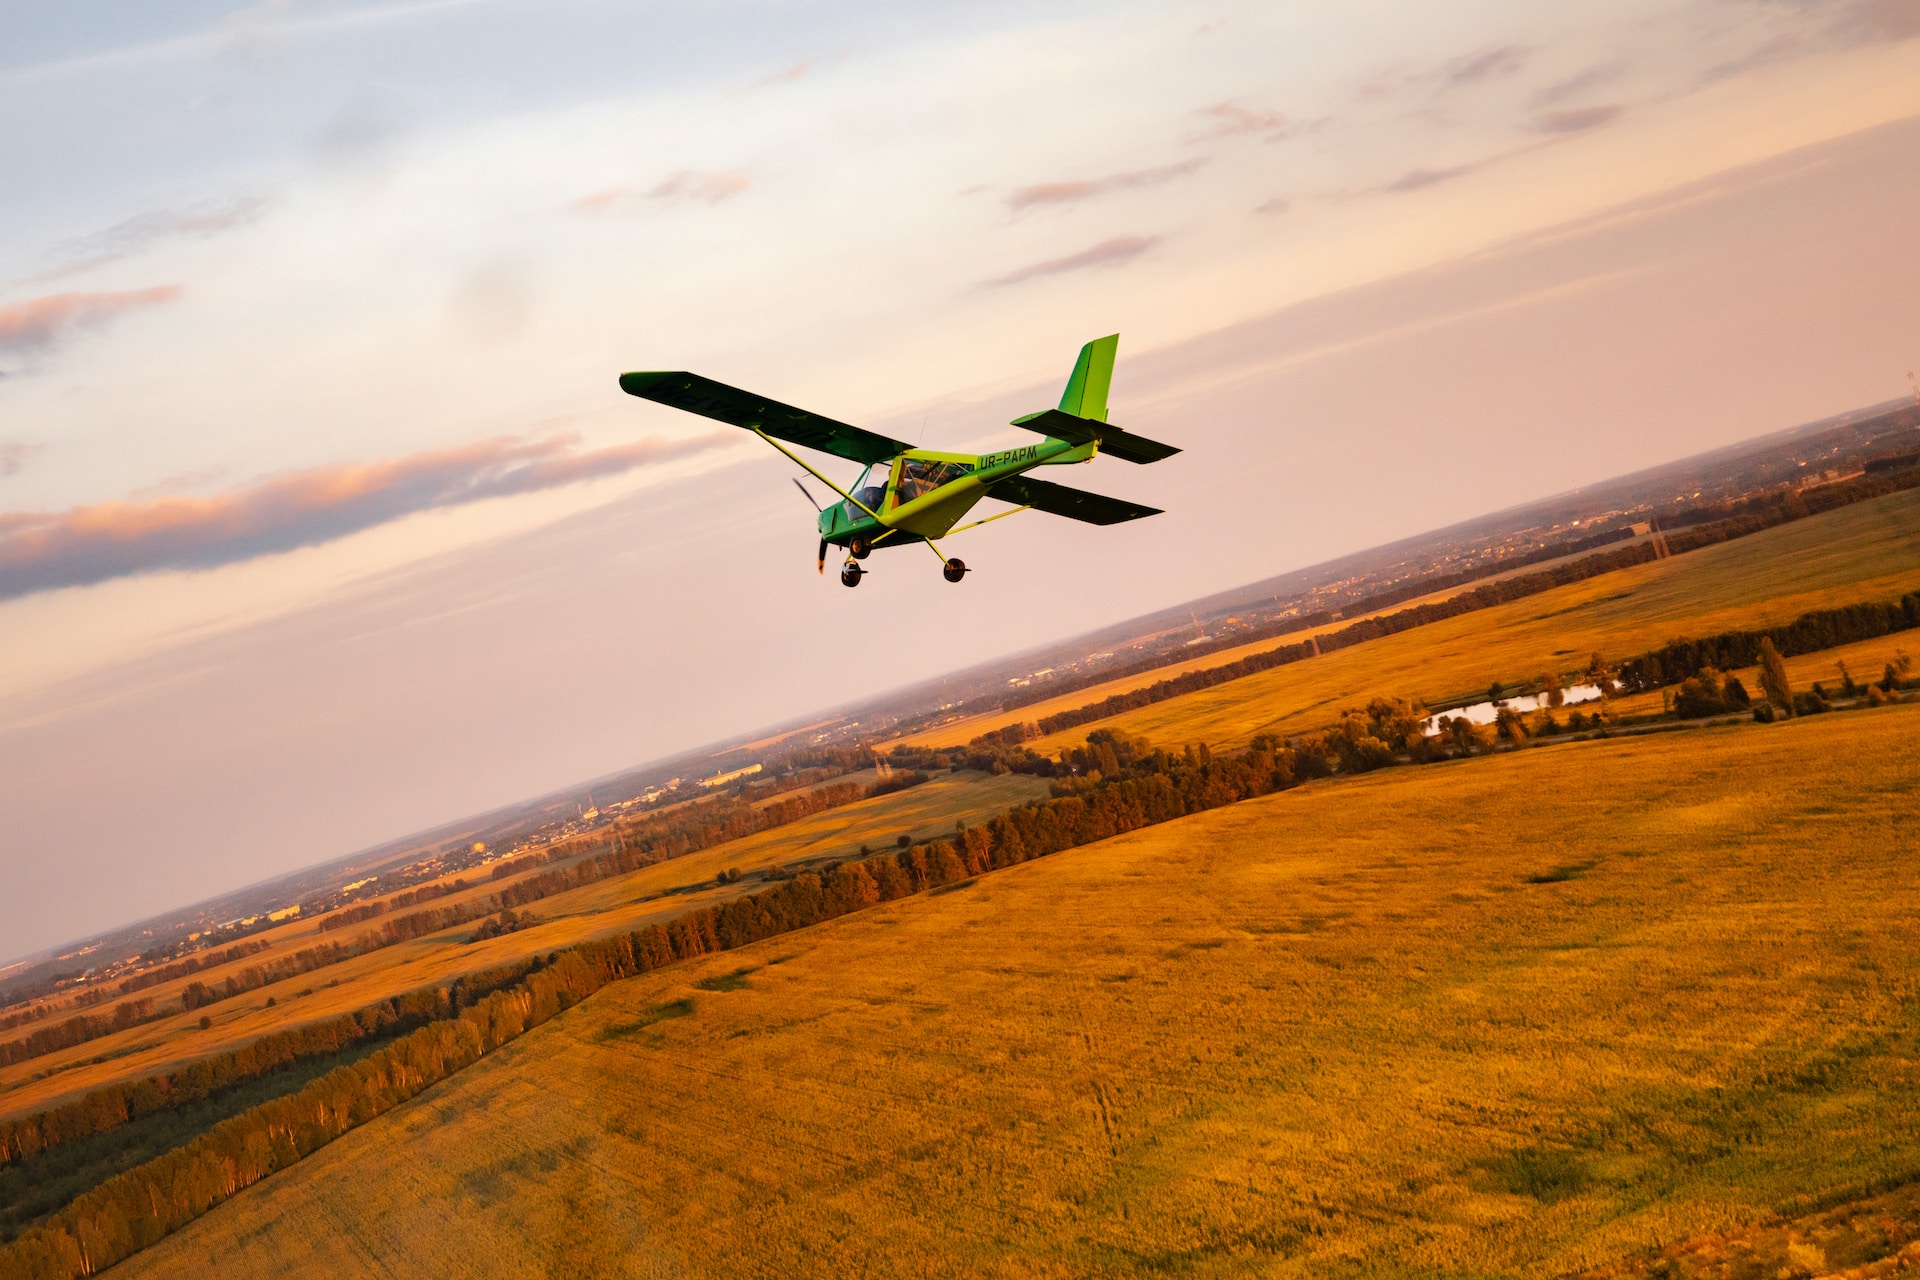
x: 625, y: 902
x: 1870, y: 551
x: 1508, y: 1016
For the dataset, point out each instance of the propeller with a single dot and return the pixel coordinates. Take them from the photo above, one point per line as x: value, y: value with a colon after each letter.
x: 820, y: 567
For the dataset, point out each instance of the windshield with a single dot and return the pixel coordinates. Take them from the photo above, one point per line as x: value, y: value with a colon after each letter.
x: 869, y: 490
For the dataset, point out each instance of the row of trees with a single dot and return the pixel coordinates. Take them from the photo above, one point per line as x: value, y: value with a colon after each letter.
x: 78, y: 1029
x: 1481, y: 597
x: 1385, y: 599
x: 1677, y: 660
x: 110, y: 1107
x: 708, y: 828
x: 141, y: 1206
x: 407, y: 898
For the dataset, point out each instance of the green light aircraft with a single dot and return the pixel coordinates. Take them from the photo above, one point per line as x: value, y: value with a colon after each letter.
x: 909, y: 495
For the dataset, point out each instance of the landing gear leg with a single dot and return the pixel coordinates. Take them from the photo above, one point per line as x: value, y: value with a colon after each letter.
x: 851, y: 573
x: 954, y: 570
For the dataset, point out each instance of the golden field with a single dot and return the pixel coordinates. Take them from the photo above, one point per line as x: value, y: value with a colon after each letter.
x: 1513, y: 1016
x: 1869, y: 551
x: 627, y: 902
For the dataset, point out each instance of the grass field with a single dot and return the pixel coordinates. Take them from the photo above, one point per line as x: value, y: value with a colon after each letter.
x: 625, y: 902
x: 1510, y: 1016
x: 1870, y: 551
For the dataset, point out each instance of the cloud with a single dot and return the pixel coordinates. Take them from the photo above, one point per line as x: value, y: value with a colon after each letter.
x: 1463, y: 72
x: 708, y: 188
x: 1229, y: 119
x: 1068, y: 192
x: 793, y: 72
x: 1279, y: 204
x: 1108, y: 253
x: 135, y: 235
x: 39, y: 324
x: 1488, y: 64
x: 1879, y: 20
x: 42, y: 551
x: 14, y: 455
x: 1419, y: 179
x: 1577, y: 119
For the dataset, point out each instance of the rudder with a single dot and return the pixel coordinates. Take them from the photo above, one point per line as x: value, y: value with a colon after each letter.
x: 1086, y: 393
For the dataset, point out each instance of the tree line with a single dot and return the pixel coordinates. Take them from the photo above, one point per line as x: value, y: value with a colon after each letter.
x: 709, y: 828
x: 1678, y: 660
x: 407, y: 898
x: 1712, y: 523
x: 1481, y: 597
x: 139, y: 1207
x: 121, y: 1103
x: 1385, y: 599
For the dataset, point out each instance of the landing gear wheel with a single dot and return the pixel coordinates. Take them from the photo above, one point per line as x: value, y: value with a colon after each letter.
x: 954, y: 571
x: 859, y: 548
x: 850, y: 574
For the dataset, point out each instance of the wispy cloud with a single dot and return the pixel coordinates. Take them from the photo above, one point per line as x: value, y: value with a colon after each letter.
x: 794, y: 72
x: 14, y: 455
x: 1108, y: 253
x: 1879, y: 20
x: 41, y: 323
x: 1041, y: 193
x: 1577, y: 119
x: 1420, y: 179
x: 1229, y: 119
x: 41, y: 551
x: 1464, y: 72
x: 135, y: 235
x: 1488, y: 64
x: 708, y: 187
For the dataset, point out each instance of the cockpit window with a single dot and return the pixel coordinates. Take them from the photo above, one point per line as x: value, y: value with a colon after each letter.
x: 920, y: 476
x: 868, y: 490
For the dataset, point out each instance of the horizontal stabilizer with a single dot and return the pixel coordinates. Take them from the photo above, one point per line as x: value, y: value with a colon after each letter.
x: 1075, y: 504
x: 1076, y: 430
x: 710, y: 399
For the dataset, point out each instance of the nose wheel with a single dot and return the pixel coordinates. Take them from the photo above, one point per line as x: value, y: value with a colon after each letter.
x: 954, y: 570
x: 851, y: 573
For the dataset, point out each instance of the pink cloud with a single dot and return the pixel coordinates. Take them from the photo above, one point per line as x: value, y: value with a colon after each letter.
x: 1108, y: 253
x: 1577, y: 119
x: 41, y: 551
x: 688, y: 185
x: 1067, y: 192
x: 1230, y: 118
x: 40, y: 323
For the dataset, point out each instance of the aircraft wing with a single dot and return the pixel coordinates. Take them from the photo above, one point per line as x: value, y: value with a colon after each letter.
x: 1075, y: 504
x: 739, y: 408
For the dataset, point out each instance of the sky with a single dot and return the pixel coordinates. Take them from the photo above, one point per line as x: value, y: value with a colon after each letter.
x: 322, y: 518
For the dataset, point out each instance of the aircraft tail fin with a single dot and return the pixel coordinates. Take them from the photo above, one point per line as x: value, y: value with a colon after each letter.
x: 1082, y: 415
x: 1086, y: 393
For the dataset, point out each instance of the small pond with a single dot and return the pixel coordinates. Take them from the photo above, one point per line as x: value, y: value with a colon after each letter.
x: 1484, y: 712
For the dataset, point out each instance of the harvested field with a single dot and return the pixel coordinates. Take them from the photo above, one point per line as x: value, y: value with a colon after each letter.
x: 1519, y: 1015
